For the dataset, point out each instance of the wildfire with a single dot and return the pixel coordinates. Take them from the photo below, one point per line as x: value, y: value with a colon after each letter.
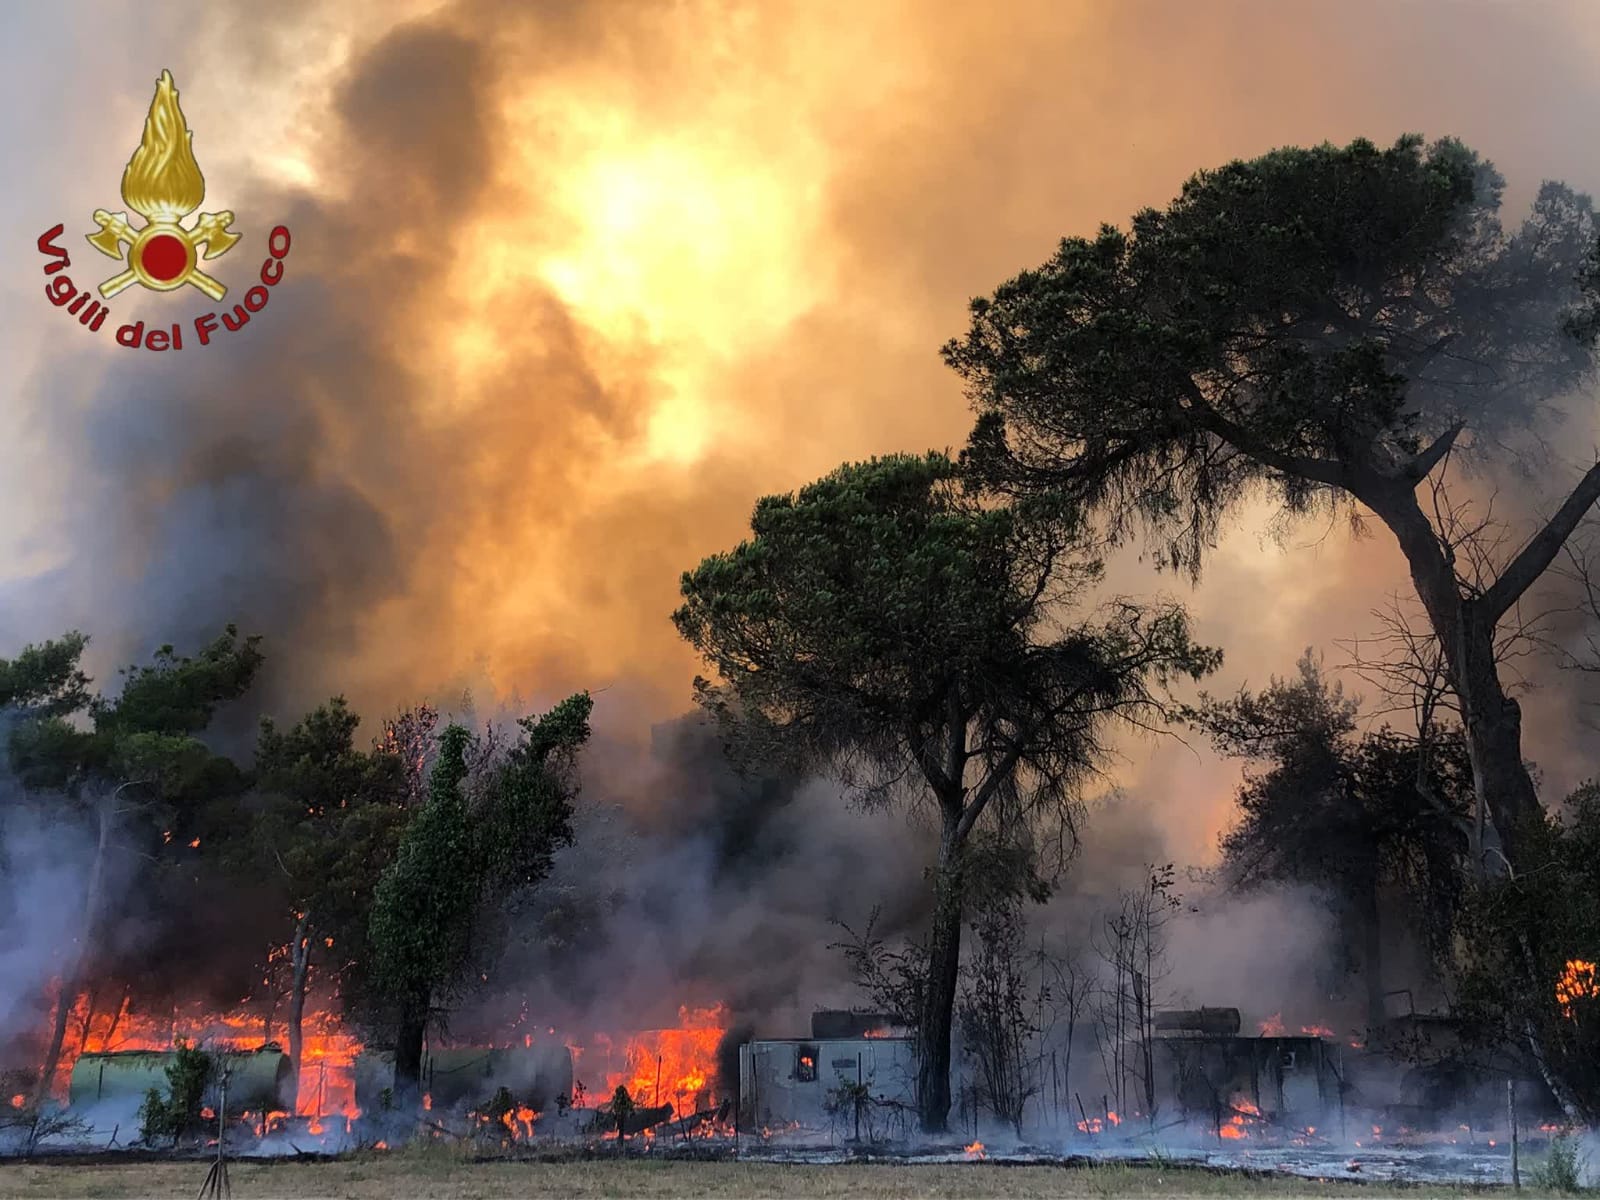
x: 1097, y: 1125
x: 327, y: 1054
x: 1577, y: 982
x: 976, y: 1150
x: 1273, y: 1026
x: 1321, y: 1031
x: 671, y: 1066
x: 18, y: 1100
x: 1234, y: 1128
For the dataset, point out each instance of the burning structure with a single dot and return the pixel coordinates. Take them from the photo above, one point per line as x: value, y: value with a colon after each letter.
x: 535, y: 1076
x: 1207, y: 1069
x: 851, y: 1061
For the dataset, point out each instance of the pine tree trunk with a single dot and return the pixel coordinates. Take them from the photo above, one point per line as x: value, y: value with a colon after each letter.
x: 1492, y: 720
x: 939, y: 995
x: 72, y: 969
x: 301, y: 960
x: 1508, y: 804
x: 1372, y: 957
x: 408, y: 1058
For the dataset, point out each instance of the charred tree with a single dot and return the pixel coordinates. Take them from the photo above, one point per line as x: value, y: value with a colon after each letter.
x: 299, y: 974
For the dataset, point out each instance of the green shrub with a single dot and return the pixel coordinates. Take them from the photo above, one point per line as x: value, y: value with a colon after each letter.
x: 1559, y: 1171
x: 178, y: 1112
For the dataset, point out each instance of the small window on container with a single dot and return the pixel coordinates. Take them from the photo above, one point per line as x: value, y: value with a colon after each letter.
x: 805, y: 1064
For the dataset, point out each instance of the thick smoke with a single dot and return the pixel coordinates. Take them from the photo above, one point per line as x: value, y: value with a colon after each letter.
x: 44, y: 859
x: 689, y: 885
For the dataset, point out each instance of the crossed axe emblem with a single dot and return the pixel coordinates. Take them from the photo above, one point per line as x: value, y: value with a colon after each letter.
x: 163, y: 255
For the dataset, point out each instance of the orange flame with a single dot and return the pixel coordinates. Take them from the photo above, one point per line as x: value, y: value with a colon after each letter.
x: 976, y: 1150
x: 327, y: 1053
x: 1273, y: 1026
x: 670, y: 1066
x: 1577, y: 982
x: 18, y: 1100
x: 1234, y: 1128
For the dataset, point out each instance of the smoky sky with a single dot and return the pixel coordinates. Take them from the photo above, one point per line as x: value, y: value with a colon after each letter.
x: 572, y: 285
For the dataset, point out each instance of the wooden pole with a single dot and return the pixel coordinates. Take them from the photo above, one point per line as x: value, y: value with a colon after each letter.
x: 656, y: 1103
x: 857, y: 1105
x: 216, y: 1183
x: 1511, y: 1116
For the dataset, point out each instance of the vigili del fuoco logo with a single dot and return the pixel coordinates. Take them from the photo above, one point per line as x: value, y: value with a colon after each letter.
x: 163, y: 185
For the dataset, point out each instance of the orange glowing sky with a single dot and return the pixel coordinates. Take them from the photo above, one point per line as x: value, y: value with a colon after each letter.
x: 578, y: 282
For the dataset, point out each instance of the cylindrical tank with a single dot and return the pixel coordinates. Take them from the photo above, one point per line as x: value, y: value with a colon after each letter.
x: 262, y: 1080
x: 1213, y: 1022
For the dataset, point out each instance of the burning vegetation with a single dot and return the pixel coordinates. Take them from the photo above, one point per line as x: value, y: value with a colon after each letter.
x: 926, y: 632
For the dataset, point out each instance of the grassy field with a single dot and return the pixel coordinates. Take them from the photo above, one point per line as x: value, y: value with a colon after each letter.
x: 435, y: 1176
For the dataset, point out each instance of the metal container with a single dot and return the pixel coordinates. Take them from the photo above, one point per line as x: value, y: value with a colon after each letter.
x: 259, y: 1080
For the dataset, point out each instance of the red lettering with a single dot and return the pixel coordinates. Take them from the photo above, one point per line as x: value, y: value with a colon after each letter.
x: 272, y: 241
x: 271, y: 271
x: 177, y: 336
x: 131, y: 335
x: 60, y: 290
x: 157, y: 340
x: 90, y: 312
x: 99, y: 320
x: 258, y: 290
x: 78, y: 303
x: 203, y: 327
x: 237, y: 320
x: 47, y: 246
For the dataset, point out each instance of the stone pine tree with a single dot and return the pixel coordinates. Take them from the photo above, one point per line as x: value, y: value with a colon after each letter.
x: 1327, y: 325
x: 463, y: 846
x: 1332, y: 326
x: 885, y: 627
x: 132, y: 764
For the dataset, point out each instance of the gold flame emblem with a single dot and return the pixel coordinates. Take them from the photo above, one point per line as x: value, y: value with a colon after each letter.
x: 163, y: 184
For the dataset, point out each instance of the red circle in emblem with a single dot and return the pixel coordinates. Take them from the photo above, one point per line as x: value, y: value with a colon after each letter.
x: 164, y: 257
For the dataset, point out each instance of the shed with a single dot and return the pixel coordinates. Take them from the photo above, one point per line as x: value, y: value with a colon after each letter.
x: 463, y: 1076
x: 789, y: 1081
x: 1296, y: 1080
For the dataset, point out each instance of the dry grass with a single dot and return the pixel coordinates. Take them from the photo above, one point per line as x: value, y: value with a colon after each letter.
x: 427, y: 1175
